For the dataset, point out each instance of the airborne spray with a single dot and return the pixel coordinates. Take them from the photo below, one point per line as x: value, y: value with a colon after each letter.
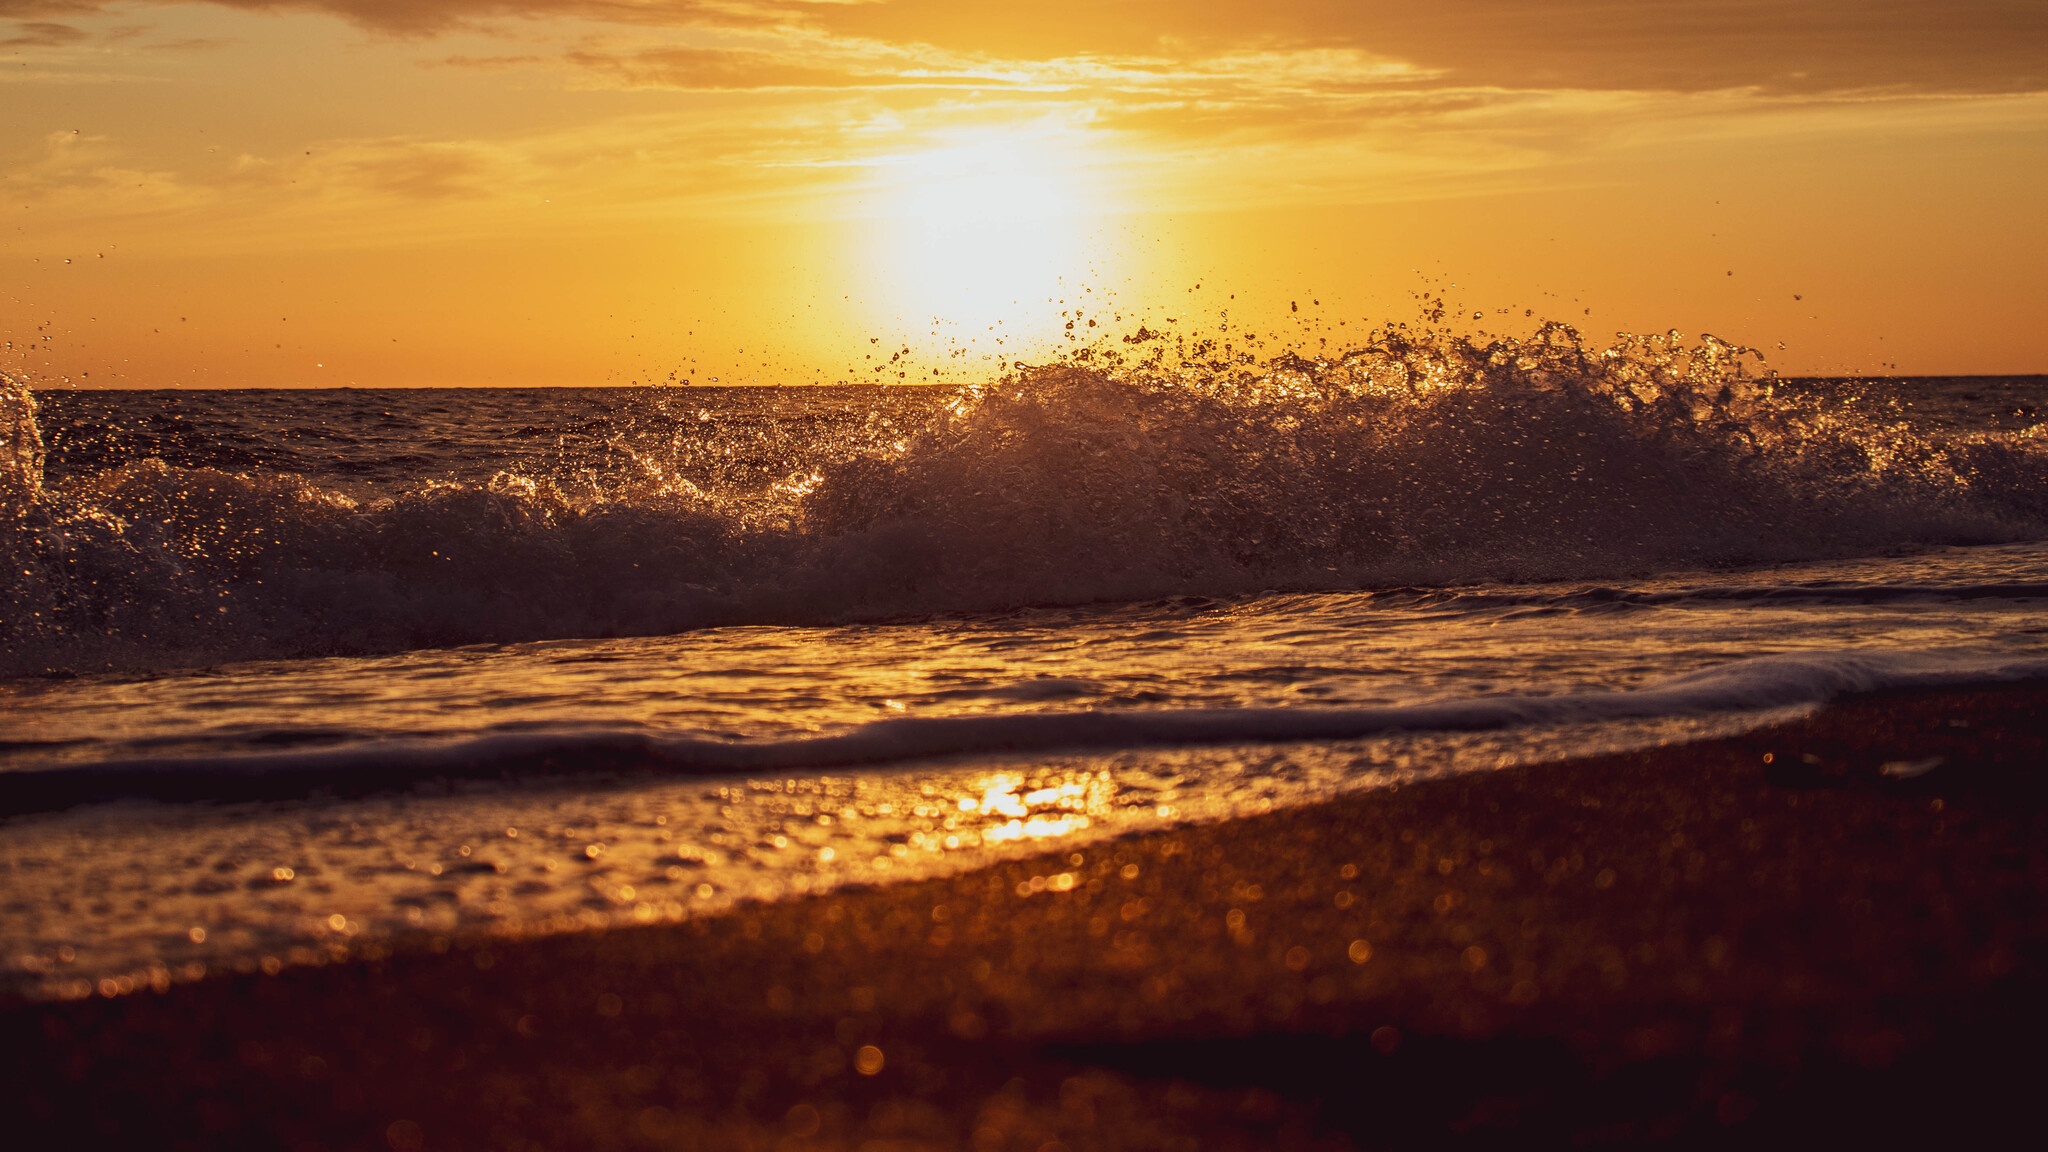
x: 1413, y: 458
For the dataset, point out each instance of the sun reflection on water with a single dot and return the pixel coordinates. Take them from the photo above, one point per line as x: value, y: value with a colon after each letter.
x: 1040, y: 813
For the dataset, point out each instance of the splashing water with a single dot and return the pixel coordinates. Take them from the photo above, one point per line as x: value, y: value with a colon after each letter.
x: 1412, y: 460
x: 21, y: 447
x: 1415, y: 458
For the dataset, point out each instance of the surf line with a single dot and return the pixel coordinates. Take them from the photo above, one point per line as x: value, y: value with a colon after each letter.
x: 1769, y: 682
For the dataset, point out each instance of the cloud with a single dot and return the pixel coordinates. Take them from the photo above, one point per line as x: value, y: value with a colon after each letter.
x: 194, y: 44
x: 412, y: 169
x: 1672, y: 45
x: 491, y: 63
x: 1679, y: 45
x: 30, y: 9
x: 90, y: 176
x: 796, y: 61
x: 711, y: 69
x: 38, y: 35
x: 1798, y: 46
x: 1318, y: 96
x: 418, y: 17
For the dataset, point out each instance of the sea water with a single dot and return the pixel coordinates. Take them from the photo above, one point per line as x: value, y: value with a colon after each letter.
x: 292, y: 676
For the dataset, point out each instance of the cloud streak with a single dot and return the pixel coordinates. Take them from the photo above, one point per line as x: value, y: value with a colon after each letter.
x: 30, y: 9
x: 43, y: 35
x: 714, y: 69
x: 1205, y: 101
x: 425, y: 17
x: 1674, y: 45
x: 1680, y: 45
x: 1792, y: 46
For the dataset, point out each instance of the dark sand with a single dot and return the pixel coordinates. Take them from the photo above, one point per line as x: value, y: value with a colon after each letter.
x: 1679, y: 947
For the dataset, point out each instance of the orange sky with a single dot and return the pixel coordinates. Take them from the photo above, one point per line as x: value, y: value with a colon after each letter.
x: 414, y: 192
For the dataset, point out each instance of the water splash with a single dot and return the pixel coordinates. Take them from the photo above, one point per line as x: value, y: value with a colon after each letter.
x: 21, y: 447
x: 1415, y: 458
x: 1190, y: 466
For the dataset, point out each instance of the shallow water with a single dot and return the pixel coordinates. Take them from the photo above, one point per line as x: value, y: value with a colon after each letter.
x: 412, y: 664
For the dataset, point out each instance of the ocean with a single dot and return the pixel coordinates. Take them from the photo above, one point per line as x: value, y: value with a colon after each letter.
x: 293, y: 677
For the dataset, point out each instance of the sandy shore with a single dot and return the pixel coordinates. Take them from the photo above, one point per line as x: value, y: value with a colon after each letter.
x: 1760, y: 941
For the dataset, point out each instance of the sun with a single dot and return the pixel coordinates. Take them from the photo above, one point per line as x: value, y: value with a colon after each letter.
x: 979, y: 229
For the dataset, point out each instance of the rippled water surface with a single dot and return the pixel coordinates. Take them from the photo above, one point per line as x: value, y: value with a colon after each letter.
x: 296, y: 675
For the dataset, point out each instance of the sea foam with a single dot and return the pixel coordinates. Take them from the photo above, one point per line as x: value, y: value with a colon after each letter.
x: 1755, y: 685
x: 1422, y: 460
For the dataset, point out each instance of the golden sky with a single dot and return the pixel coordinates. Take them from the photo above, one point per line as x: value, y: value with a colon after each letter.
x: 512, y: 192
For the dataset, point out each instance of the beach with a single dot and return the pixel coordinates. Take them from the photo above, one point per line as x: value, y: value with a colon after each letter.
x: 1829, y: 928
x: 898, y: 575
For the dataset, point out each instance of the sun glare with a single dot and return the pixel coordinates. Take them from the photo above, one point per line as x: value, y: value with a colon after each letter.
x: 982, y: 228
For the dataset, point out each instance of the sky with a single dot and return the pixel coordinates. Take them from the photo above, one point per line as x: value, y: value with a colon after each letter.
x: 239, y: 193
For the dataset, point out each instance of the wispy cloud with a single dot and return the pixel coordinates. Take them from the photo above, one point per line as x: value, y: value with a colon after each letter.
x: 91, y: 175
x: 43, y: 35
x: 1679, y: 45
x: 1226, y: 100
x: 30, y: 9
x: 713, y: 69
x: 190, y: 44
x: 426, y: 17
x: 1807, y: 46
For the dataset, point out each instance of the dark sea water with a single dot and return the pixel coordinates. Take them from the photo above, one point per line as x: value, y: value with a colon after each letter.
x: 285, y: 674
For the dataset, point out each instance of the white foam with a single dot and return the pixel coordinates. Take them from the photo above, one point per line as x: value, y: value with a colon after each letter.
x: 1063, y: 486
x: 1754, y: 685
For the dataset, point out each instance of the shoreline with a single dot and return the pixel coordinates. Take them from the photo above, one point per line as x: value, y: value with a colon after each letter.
x: 1683, y: 945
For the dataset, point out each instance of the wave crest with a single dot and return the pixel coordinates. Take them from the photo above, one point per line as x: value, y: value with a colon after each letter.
x: 1414, y: 458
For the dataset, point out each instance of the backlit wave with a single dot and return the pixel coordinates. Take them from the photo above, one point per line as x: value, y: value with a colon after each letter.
x: 1414, y: 459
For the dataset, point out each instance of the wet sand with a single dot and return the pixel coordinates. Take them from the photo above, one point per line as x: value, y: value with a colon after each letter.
x: 1762, y: 941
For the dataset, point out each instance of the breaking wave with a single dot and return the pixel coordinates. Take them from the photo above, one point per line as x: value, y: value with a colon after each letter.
x: 1417, y: 459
